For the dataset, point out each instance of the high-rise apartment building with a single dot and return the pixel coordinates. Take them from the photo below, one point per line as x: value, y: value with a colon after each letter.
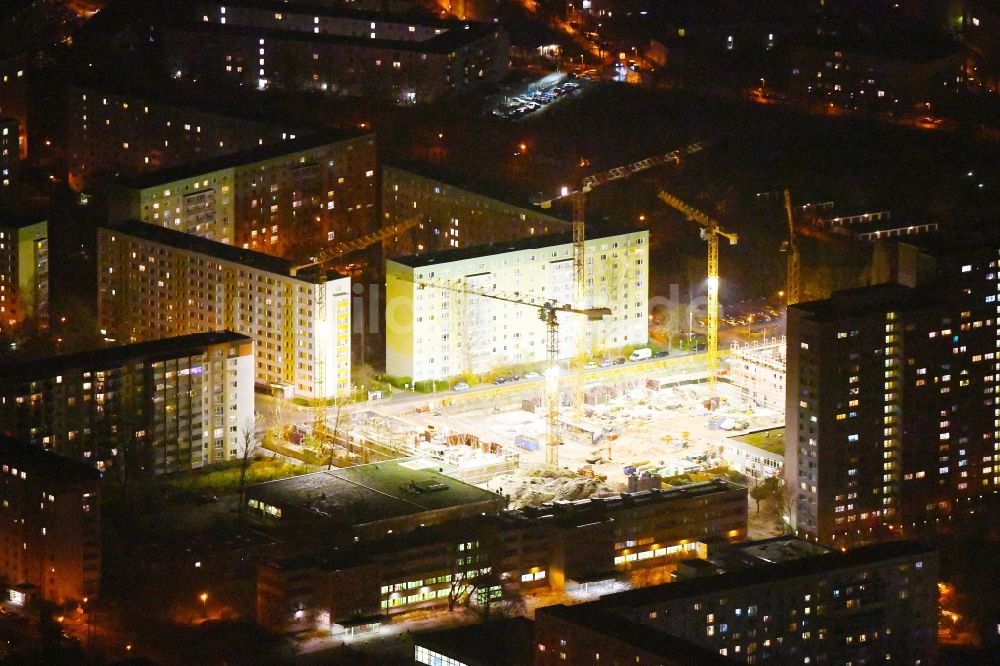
x: 288, y: 199
x: 185, y: 401
x: 891, y: 410
x: 24, y: 270
x: 872, y: 604
x: 155, y: 282
x: 405, y: 59
x: 10, y: 154
x: 452, y: 216
x: 50, y: 545
x: 112, y: 133
x: 439, y: 325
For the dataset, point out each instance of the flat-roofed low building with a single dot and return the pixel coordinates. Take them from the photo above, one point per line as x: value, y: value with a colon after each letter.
x: 287, y: 199
x: 51, y: 539
x: 155, y: 282
x: 409, y: 562
x: 503, y: 642
x: 187, y: 401
x: 439, y: 323
x: 369, y: 501
x: 453, y: 215
x: 24, y: 270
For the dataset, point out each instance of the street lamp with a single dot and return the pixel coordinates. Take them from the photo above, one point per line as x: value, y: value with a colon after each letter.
x: 204, y: 603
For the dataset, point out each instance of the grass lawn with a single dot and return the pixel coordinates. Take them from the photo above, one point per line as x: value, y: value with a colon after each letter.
x: 772, y: 440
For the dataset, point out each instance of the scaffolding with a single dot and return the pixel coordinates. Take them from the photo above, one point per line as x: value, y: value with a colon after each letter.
x: 758, y: 369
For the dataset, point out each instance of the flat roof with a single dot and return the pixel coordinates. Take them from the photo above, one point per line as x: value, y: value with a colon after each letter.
x: 220, y: 251
x: 505, y: 642
x: 237, y: 159
x: 36, y: 460
x: 107, y: 357
x: 15, y: 221
x: 781, y: 549
x: 501, y: 247
x: 863, y: 301
x: 594, y: 617
x: 584, y: 511
x: 448, y: 41
x: 370, y: 493
x: 768, y: 573
x: 499, y: 192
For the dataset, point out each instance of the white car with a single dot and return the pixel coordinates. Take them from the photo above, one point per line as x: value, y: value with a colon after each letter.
x: 461, y: 386
x: 532, y: 375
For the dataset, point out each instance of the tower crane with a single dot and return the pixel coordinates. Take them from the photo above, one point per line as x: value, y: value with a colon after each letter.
x: 577, y: 198
x: 548, y: 312
x: 710, y: 231
x: 339, y: 249
x: 792, y: 288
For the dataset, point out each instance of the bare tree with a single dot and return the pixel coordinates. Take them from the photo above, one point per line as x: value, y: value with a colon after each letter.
x: 248, y: 437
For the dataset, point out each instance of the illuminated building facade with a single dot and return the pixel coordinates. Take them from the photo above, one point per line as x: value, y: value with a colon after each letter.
x: 309, y: 47
x: 24, y: 270
x: 891, y: 403
x: 287, y: 199
x: 155, y: 283
x: 111, y: 133
x: 874, y: 603
x: 50, y: 545
x: 187, y: 401
x: 453, y: 216
x: 10, y: 154
x: 547, y: 548
x: 437, y: 332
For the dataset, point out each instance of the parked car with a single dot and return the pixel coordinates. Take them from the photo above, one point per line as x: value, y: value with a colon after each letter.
x: 460, y: 386
x: 591, y: 365
x: 606, y: 363
x: 532, y: 375
x: 661, y: 354
x: 620, y: 360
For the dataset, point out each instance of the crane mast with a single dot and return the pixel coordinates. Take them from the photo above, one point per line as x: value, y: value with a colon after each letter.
x: 548, y: 312
x: 792, y: 288
x: 710, y: 231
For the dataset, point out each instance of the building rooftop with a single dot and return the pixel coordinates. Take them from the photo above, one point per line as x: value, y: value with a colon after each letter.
x: 374, y: 492
x: 220, y: 251
x: 505, y: 642
x: 594, y: 617
x: 862, y: 302
x: 35, y: 460
x: 109, y: 357
x: 502, y: 192
x: 451, y: 39
x: 782, y: 570
x: 462, y: 253
x: 238, y: 159
x: 11, y: 220
x: 780, y: 549
x: 585, y: 511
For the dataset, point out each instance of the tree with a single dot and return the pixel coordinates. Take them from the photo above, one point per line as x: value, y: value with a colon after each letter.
x: 248, y: 437
x: 759, y: 493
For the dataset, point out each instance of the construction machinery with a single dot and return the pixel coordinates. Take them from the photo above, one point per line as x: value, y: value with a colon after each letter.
x: 710, y: 231
x: 548, y: 312
x: 792, y: 286
x: 339, y: 249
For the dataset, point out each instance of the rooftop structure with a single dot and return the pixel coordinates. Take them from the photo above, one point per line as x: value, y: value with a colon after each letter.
x: 758, y: 369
